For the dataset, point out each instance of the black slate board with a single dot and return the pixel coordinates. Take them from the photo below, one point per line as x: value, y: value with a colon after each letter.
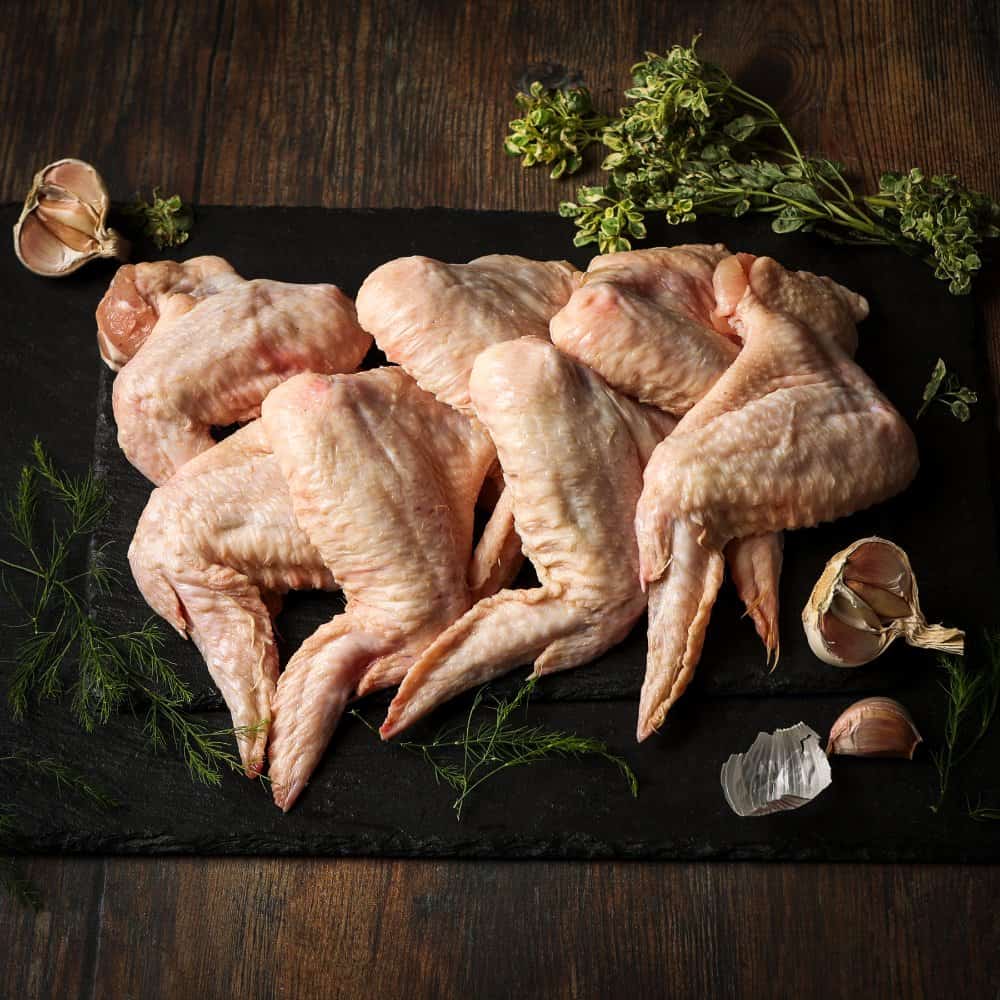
x: 367, y: 798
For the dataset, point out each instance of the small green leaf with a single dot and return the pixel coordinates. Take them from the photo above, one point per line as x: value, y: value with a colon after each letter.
x: 786, y: 223
x: 741, y: 128
x: 798, y: 191
x: 937, y: 377
x: 960, y: 410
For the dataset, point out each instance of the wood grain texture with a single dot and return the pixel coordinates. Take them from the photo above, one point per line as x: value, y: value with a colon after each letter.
x: 364, y: 104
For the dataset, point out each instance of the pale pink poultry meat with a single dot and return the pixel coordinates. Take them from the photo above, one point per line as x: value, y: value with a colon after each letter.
x: 571, y: 450
x: 131, y: 305
x: 434, y: 319
x: 793, y: 433
x: 643, y: 320
x: 209, y: 361
x: 213, y: 552
x: 646, y: 321
x: 383, y: 479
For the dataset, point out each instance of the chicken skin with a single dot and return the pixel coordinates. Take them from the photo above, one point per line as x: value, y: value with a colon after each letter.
x: 213, y: 552
x: 383, y: 480
x: 643, y: 320
x: 214, y: 353
x: 137, y: 293
x: 646, y: 321
x: 434, y: 319
x: 571, y: 450
x: 793, y: 433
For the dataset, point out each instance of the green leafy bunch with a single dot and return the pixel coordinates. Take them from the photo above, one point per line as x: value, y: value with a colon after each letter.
x: 691, y: 141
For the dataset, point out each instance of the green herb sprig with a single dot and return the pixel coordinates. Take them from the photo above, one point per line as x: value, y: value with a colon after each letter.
x: 973, y: 697
x: 691, y: 141
x: 944, y: 387
x: 60, y: 642
x: 166, y: 221
x: 467, y: 755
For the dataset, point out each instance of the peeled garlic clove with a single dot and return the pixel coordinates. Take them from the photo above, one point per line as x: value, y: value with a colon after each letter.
x: 865, y: 599
x: 782, y: 770
x: 62, y: 224
x: 874, y: 727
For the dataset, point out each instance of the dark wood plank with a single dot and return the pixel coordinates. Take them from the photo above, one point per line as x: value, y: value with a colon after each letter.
x: 53, y: 953
x: 404, y: 104
x: 349, y: 928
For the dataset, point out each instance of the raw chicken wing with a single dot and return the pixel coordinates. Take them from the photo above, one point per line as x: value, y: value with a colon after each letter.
x: 792, y: 434
x: 571, y: 450
x: 213, y: 552
x: 210, y: 361
x: 646, y: 322
x: 383, y: 479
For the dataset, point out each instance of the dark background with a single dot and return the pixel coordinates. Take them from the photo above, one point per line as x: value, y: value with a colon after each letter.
x: 355, y: 105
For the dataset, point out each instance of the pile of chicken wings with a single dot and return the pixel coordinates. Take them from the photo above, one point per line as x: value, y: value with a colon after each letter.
x: 632, y: 431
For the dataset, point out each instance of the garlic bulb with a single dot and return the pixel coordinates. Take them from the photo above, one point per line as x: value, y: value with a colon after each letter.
x: 874, y: 727
x: 781, y: 770
x: 62, y: 224
x: 865, y: 599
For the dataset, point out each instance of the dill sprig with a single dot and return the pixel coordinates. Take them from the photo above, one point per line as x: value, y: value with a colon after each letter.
x: 62, y: 643
x: 691, y: 141
x: 944, y: 387
x: 467, y: 755
x: 973, y: 697
x: 166, y: 221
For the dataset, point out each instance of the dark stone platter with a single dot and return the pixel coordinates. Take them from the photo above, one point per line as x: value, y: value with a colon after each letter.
x: 371, y: 799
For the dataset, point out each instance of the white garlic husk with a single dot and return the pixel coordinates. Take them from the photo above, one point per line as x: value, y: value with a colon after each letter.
x: 865, y: 599
x: 781, y: 770
x: 874, y: 727
x: 62, y: 225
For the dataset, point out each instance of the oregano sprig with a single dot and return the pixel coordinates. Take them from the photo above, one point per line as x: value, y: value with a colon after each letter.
x: 690, y: 141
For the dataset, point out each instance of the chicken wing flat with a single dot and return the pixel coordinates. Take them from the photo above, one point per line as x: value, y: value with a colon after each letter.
x: 571, y: 451
x: 383, y: 480
x: 793, y: 433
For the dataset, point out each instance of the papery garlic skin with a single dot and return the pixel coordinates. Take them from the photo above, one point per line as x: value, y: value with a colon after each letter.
x: 874, y: 727
x: 781, y: 770
x: 865, y: 599
x: 62, y: 224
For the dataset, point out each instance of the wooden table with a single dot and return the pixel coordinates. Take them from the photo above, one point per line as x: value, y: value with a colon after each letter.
x: 358, y: 104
